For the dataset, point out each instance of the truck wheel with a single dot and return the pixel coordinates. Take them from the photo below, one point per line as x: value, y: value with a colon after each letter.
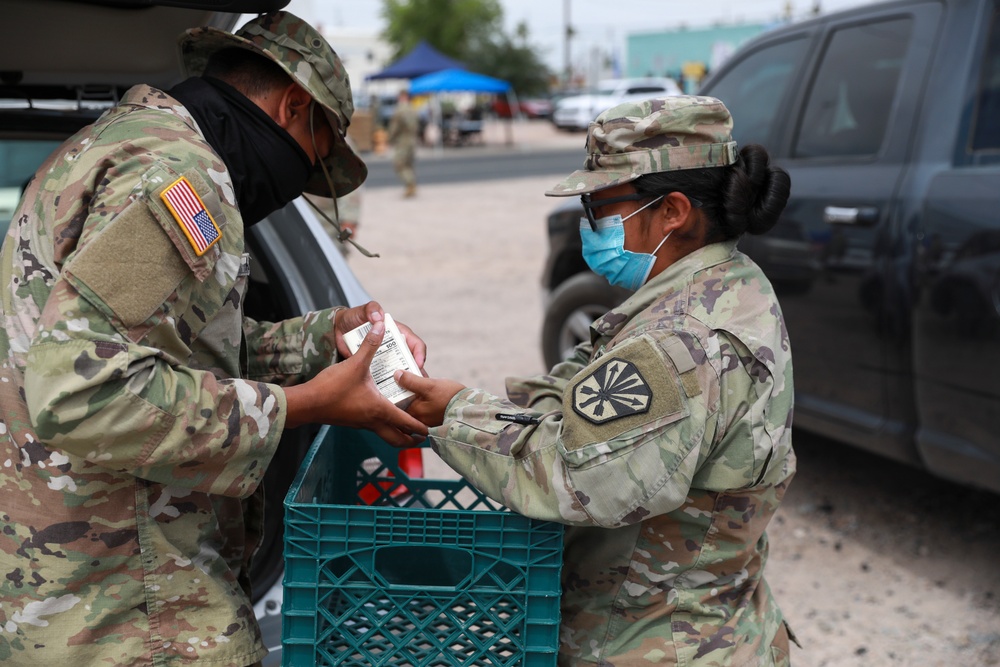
x: 575, y: 304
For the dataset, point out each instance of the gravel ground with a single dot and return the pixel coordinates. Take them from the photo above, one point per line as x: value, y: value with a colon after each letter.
x: 872, y: 562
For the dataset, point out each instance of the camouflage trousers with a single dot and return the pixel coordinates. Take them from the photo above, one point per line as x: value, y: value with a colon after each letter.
x: 402, y: 162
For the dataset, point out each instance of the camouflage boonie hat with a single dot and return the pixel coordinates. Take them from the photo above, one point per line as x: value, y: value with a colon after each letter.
x: 661, y: 134
x: 311, y: 62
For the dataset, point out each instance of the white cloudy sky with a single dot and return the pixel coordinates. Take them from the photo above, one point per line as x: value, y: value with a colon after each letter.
x: 595, y: 26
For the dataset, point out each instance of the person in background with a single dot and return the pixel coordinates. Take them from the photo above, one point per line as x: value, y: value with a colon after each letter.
x: 665, y: 442
x: 141, y: 409
x: 341, y: 218
x: 346, y: 211
x: 404, y: 132
x: 350, y: 213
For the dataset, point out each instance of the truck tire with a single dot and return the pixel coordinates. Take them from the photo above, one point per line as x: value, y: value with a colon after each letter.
x: 574, y: 305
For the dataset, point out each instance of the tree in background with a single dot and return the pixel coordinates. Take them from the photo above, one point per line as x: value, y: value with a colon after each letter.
x: 470, y: 31
x: 513, y: 60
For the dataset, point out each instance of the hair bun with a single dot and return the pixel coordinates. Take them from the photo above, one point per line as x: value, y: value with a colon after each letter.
x: 756, y: 193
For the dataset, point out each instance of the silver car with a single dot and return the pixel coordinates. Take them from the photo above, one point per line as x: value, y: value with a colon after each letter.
x: 576, y: 112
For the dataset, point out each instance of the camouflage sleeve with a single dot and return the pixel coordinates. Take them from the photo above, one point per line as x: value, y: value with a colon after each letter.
x: 543, y: 393
x: 107, y: 376
x: 624, y: 444
x: 129, y: 407
x: 753, y: 441
x: 291, y: 351
x: 125, y: 407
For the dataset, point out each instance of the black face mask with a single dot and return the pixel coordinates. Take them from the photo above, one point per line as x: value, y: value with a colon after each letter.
x: 268, y: 167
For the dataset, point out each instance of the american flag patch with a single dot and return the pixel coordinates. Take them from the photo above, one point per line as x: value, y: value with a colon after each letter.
x: 194, y: 219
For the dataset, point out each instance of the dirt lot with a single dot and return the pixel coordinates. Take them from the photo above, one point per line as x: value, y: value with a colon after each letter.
x: 872, y: 562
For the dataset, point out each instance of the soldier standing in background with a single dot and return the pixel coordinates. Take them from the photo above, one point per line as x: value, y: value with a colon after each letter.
x: 664, y: 443
x: 349, y: 214
x: 404, y: 131
x: 140, y: 407
x: 345, y: 211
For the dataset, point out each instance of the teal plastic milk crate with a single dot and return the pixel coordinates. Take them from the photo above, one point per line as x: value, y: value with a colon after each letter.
x: 384, y: 569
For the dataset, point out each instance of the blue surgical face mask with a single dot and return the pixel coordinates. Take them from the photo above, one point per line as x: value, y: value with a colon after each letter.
x: 605, y: 253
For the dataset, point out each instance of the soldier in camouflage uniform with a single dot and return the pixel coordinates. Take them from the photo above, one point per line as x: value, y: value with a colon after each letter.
x: 664, y: 443
x: 404, y: 130
x: 140, y: 408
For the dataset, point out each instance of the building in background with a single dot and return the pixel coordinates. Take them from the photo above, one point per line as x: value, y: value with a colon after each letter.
x: 686, y: 55
x: 363, y: 53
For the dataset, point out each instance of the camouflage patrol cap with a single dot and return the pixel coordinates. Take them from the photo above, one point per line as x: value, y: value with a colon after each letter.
x: 311, y: 62
x: 661, y: 134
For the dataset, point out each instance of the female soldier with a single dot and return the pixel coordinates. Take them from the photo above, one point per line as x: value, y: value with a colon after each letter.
x: 665, y: 442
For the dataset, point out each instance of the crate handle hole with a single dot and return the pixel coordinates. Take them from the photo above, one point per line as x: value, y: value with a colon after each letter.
x: 423, y: 565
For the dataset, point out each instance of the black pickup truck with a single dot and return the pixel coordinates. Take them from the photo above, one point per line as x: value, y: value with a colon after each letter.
x: 887, y: 258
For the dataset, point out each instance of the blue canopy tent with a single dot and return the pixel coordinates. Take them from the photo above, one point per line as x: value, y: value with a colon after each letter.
x: 423, y: 59
x: 459, y: 80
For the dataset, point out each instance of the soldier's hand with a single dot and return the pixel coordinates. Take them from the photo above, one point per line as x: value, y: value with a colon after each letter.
x: 417, y: 346
x: 352, y: 318
x: 345, y: 394
x: 432, y: 396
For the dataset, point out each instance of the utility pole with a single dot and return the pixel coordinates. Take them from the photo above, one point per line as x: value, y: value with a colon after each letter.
x: 568, y: 34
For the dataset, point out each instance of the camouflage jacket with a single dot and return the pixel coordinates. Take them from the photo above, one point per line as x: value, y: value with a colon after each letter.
x: 665, y: 445
x: 131, y: 451
x: 404, y: 126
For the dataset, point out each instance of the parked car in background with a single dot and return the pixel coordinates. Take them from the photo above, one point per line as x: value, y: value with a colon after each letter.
x: 532, y: 107
x: 562, y: 93
x: 886, y: 260
x: 49, y: 89
x: 577, y: 111
x: 536, y: 107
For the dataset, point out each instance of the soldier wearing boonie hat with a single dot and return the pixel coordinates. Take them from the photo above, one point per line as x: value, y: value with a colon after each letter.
x: 141, y: 406
x: 663, y: 442
x: 310, y: 61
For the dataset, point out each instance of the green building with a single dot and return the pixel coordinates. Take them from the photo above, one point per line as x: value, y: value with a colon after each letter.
x: 686, y: 54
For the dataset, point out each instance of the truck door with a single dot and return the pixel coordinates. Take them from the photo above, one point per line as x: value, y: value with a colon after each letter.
x: 956, y: 328
x: 846, y: 151
x: 835, y: 102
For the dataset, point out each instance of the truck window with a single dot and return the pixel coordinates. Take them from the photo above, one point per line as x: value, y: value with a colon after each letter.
x: 986, y: 124
x: 755, y: 86
x: 852, y: 94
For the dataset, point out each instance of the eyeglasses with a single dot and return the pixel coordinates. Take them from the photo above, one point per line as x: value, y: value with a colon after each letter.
x: 590, y: 204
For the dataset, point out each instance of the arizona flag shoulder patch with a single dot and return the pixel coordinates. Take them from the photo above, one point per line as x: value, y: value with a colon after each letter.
x: 190, y: 213
x: 614, y: 390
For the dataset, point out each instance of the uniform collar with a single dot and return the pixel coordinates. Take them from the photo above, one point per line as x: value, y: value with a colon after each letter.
x: 673, y: 279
